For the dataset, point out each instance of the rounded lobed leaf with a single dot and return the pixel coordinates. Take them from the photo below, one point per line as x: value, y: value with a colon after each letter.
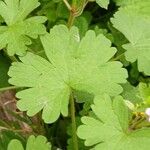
x: 16, y: 36
x: 136, y: 30
x: 74, y: 65
x: 33, y: 143
x: 109, y: 128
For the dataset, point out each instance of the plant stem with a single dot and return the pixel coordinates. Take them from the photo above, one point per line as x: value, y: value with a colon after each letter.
x: 75, y: 11
x: 80, y: 10
x: 118, y: 57
x: 8, y: 88
x: 74, y: 3
x: 73, y: 120
x: 136, y: 122
x: 71, y: 19
x: 67, y: 4
x: 13, y: 58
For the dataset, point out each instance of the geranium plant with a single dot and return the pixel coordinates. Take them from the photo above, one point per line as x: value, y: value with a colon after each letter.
x: 79, y: 71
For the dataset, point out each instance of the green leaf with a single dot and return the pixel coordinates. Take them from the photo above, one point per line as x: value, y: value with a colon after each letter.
x: 46, y: 6
x: 74, y: 65
x: 109, y: 130
x: 82, y: 23
x: 16, y: 35
x: 38, y: 143
x: 103, y: 3
x: 136, y: 30
x: 84, y: 61
x: 125, y: 2
x: 15, y: 144
x: 7, y: 136
x: 144, y: 90
x: 47, y: 89
x: 131, y: 93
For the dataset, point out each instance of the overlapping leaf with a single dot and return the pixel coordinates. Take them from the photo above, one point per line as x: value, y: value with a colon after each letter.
x: 109, y: 129
x: 33, y: 143
x: 125, y: 2
x: 15, y: 36
x: 74, y: 65
x: 131, y: 93
x: 144, y: 90
x: 134, y: 22
x: 102, y: 3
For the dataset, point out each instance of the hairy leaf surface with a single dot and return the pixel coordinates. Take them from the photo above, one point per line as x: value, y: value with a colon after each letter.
x: 15, y: 36
x: 134, y: 22
x: 109, y: 129
x: 74, y: 65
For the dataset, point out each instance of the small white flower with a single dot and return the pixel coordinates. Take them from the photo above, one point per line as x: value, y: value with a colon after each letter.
x: 147, y: 112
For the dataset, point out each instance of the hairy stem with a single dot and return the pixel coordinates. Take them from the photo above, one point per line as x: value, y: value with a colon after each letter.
x: 67, y: 4
x: 73, y: 120
x: 71, y: 20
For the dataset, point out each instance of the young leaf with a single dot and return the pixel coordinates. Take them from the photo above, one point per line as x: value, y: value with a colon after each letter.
x: 15, y: 36
x: 144, y: 90
x: 33, y: 143
x: 131, y: 93
x: 103, y: 3
x: 109, y: 129
x: 125, y: 2
x: 74, y: 65
x: 136, y: 30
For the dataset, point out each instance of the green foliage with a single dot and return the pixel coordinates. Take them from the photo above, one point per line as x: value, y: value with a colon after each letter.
x: 33, y: 143
x: 103, y: 3
x: 80, y: 71
x: 6, y: 137
x: 144, y: 90
x: 72, y: 66
x: 58, y: 11
x: 110, y: 128
x: 132, y: 93
x: 125, y: 2
x: 136, y: 30
x: 15, y: 36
